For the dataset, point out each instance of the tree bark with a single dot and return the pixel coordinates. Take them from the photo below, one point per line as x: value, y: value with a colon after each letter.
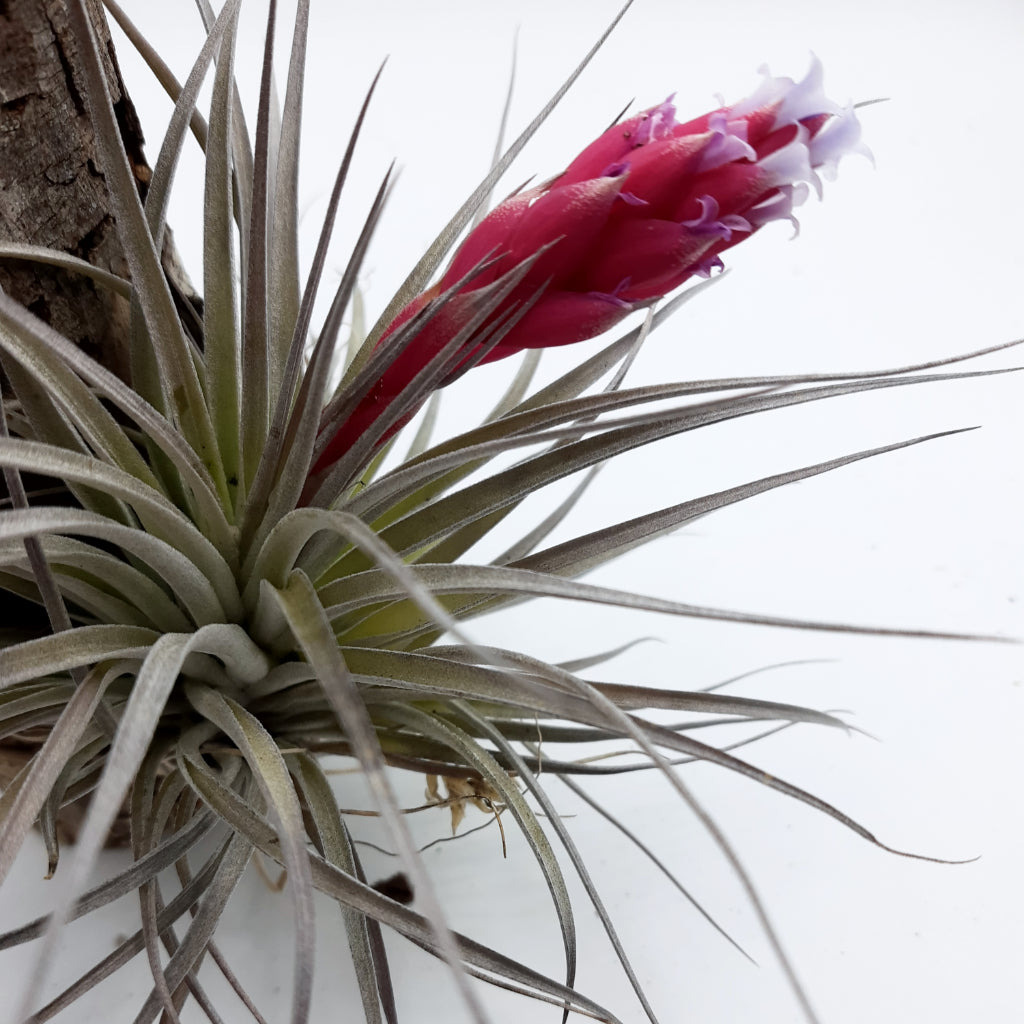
x: 51, y: 191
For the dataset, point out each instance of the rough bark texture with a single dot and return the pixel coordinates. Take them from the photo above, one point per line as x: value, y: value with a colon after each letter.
x: 51, y: 190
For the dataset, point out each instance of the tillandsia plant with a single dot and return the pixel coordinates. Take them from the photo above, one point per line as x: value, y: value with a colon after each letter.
x: 246, y: 578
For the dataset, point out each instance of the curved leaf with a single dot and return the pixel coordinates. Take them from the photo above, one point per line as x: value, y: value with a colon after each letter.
x: 213, y: 599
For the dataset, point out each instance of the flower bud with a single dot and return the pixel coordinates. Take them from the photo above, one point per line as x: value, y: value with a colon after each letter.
x: 646, y: 206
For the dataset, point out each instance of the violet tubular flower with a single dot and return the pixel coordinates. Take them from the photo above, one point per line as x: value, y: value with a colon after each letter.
x: 649, y: 204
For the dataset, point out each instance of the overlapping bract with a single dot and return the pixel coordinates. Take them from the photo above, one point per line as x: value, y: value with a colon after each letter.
x: 646, y: 206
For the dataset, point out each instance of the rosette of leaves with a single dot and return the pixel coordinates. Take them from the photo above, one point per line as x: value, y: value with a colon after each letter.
x: 212, y: 631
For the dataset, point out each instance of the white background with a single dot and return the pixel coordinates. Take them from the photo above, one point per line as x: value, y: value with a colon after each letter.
x: 918, y: 259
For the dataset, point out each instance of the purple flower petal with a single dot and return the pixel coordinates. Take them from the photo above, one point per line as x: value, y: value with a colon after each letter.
x: 710, y: 225
x: 705, y: 267
x: 771, y: 90
x: 839, y: 137
x: 797, y: 100
x: 780, y: 207
x: 657, y: 124
x: 728, y: 142
x: 792, y: 163
x: 613, y: 297
x: 806, y: 98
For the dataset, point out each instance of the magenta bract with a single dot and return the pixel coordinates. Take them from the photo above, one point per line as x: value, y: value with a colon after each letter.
x: 646, y: 206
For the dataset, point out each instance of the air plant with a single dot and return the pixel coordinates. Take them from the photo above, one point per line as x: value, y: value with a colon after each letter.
x: 251, y: 578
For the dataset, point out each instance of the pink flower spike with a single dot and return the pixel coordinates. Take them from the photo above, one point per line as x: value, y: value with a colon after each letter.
x: 655, y: 172
x: 569, y: 216
x: 487, y: 240
x: 646, y: 253
x: 644, y: 208
x: 699, y: 125
x: 619, y: 141
x: 735, y: 188
x: 562, y: 318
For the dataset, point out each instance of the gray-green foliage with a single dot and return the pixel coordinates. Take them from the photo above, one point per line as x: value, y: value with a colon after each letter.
x: 214, y: 630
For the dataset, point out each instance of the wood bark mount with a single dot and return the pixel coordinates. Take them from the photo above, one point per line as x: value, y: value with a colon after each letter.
x: 52, y: 192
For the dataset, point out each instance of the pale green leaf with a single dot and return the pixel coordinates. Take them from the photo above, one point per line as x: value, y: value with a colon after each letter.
x: 341, y: 886
x: 138, y: 721
x: 284, y: 235
x: 84, y: 645
x: 555, y: 819
x: 475, y: 756
x: 206, y: 599
x: 376, y: 586
x: 156, y: 514
x: 65, y: 371
x: 181, y: 389
x: 221, y: 348
x: 309, y: 624
x: 93, y: 565
x: 19, y: 808
x: 57, y: 258
x: 335, y: 845
x: 268, y: 769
